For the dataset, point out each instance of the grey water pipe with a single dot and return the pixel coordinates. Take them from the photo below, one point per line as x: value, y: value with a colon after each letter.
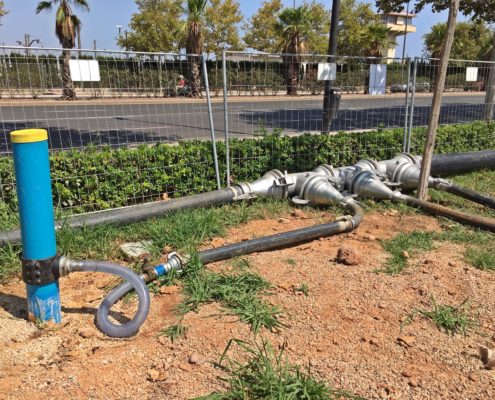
x: 286, y: 239
x: 467, y: 194
x: 371, y: 185
x: 438, y: 210
x: 140, y: 212
x: 404, y: 170
x: 457, y: 163
x: 315, y: 190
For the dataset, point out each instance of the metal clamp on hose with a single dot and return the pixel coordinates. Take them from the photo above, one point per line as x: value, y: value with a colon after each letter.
x: 40, y: 272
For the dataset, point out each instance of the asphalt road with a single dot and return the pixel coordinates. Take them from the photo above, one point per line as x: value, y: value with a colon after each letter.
x: 119, y: 123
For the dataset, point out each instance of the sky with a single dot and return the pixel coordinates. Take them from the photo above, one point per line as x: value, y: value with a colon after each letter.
x: 101, y: 23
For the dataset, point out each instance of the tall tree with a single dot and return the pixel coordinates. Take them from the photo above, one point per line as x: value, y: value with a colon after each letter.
x: 377, y: 38
x: 261, y: 30
x: 155, y: 27
x: 479, y: 10
x: 355, y: 17
x: 317, y: 41
x: 293, y: 28
x: 472, y: 41
x: 194, y: 11
x: 221, y: 26
x: 67, y: 29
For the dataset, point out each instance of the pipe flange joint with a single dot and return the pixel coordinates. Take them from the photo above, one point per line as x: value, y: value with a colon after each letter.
x: 326, y: 169
x: 409, y: 156
x: 368, y: 162
x: 242, y: 191
x: 441, y: 184
x: 40, y: 272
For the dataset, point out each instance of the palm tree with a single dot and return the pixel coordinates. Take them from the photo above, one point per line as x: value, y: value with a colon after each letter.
x: 434, y: 40
x: 293, y: 28
x: 378, y: 37
x: 68, y: 30
x: 194, y: 40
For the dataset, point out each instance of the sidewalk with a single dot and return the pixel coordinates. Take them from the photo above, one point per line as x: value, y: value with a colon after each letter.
x: 218, y: 99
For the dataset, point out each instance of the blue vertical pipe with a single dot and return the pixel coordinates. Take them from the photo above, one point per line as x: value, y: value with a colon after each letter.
x: 34, y: 192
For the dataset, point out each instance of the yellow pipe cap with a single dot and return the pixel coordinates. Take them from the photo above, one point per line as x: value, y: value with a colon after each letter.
x: 29, y: 136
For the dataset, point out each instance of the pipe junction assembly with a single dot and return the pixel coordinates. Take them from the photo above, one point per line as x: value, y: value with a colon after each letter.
x: 323, y: 186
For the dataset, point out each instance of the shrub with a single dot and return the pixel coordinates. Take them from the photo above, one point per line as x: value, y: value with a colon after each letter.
x: 102, y: 178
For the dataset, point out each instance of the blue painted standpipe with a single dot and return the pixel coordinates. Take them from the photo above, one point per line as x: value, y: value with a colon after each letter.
x: 34, y: 192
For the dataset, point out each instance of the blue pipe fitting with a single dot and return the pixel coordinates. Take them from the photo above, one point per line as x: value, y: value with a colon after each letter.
x: 34, y: 193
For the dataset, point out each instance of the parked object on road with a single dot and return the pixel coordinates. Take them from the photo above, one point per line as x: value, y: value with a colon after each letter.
x: 402, y: 87
x: 475, y: 86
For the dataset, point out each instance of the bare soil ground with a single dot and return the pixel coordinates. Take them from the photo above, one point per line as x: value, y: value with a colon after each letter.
x: 346, y: 329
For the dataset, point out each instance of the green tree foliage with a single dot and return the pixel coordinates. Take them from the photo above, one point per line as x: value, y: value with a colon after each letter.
x: 221, y: 20
x: 472, y: 41
x: 355, y: 17
x: 67, y: 29
x: 194, y: 11
x: 261, y: 29
x: 375, y: 39
x: 293, y: 29
x: 3, y: 11
x: 317, y: 40
x: 477, y: 9
x: 155, y: 27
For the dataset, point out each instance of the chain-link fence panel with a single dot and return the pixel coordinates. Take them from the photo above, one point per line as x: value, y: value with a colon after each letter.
x: 123, y: 102
x: 466, y: 98
x: 283, y: 95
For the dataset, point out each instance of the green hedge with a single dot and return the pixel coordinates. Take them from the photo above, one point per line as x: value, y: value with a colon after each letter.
x: 97, y: 178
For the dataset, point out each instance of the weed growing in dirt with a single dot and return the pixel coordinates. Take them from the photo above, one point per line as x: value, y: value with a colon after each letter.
x: 480, y: 251
x: 238, y: 293
x: 302, y: 288
x: 174, y: 332
x: 403, y: 246
x: 241, y: 264
x: 481, y: 259
x: 268, y: 375
x: 10, y: 262
x: 291, y: 261
x: 450, y: 319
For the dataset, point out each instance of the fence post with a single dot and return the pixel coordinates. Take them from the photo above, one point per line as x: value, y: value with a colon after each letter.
x: 39, y: 247
x: 413, y: 98
x: 210, y: 116
x: 407, y: 105
x: 226, y: 115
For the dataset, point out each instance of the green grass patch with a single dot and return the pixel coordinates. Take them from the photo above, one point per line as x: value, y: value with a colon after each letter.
x: 240, y: 294
x: 401, y: 246
x: 449, y: 319
x: 183, y: 231
x: 174, y: 332
x: 481, y: 259
x: 241, y: 264
x: 480, y: 245
x: 302, y: 288
x: 267, y: 374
